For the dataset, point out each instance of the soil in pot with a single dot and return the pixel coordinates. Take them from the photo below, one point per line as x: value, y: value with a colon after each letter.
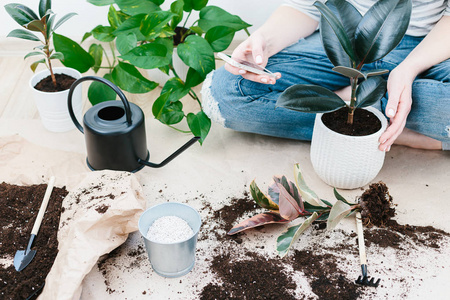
x: 63, y: 82
x: 364, y: 122
x: 19, y: 206
x: 180, y: 35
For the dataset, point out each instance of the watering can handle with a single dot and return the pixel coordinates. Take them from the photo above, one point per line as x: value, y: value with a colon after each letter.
x: 121, y: 95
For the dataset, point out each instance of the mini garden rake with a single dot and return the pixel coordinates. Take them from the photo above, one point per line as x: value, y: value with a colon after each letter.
x: 363, y: 279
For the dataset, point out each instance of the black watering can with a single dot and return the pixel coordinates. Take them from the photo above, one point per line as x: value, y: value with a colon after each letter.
x: 115, y: 133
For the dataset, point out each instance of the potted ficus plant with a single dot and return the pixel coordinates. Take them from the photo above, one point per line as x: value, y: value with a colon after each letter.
x: 350, y: 159
x: 50, y: 86
x: 143, y: 35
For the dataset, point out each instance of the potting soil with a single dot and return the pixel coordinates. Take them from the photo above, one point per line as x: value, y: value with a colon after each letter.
x: 63, y: 82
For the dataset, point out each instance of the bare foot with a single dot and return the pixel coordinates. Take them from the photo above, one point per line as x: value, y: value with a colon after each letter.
x: 416, y: 140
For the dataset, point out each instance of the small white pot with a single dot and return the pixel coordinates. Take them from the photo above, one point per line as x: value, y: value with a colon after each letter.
x: 52, y: 107
x: 160, y: 77
x: 343, y: 161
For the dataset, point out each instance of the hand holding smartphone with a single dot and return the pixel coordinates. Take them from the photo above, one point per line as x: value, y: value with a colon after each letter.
x: 245, y: 65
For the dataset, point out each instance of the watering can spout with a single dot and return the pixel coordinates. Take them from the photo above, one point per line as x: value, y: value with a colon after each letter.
x: 172, y: 156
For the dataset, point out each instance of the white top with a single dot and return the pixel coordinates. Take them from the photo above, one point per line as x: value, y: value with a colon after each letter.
x: 425, y: 13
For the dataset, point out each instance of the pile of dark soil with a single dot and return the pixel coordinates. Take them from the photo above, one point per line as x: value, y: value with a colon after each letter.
x: 376, y: 206
x: 364, y: 122
x: 63, y: 82
x: 19, y: 206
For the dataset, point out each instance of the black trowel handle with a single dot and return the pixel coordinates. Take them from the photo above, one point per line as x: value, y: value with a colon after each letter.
x: 43, y: 207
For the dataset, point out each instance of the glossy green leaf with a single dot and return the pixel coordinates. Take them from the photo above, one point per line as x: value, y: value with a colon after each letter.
x: 370, y: 91
x: 128, y: 78
x: 381, y: 29
x: 289, y: 208
x: 147, y: 56
x: 172, y: 113
x: 63, y: 20
x: 308, y: 195
x: 212, y: 16
x: 36, y: 25
x: 57, y: 55
x: 199, y: 124
x: 34, y: 53
x: 197, y: 30
x: 339, y: 211
x: 23, y: 34
x: 375, y: 72
x: 258, y: 220
x: 126, y: 42
x: 328, y: 38
x: 197, y: 54
x: 349, y: 72
x: 310, y: 99
x: 260, y: 198
x: 220, y: 37
x: 86, y: 36
x: 114, y: 19
x: 177, y: 87
x: 96, y: 51
x: 177, y: 8
x: 132, y: 24
x: 74, y: 55
x: 99, y: 92
x: 103, y: 33
x: 20, y: 13
x: 101, y: 2
x: 193, y: 78
x: 135, y: 7
x: 340, y: 197
x: 190, y: 5
x: 159, y: 104
x: 153, y: 23
x: 287, y: 238
x: 44, y: 5
x: 50, y: 22
x: 34, y: 65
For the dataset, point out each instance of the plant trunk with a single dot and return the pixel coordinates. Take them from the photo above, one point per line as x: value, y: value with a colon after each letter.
x: 51, y: 72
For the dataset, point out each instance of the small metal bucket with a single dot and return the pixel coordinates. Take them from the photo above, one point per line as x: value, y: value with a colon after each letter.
x: 171, y: 259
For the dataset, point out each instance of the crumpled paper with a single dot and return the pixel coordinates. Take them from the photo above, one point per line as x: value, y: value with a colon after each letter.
x: 97, y: 217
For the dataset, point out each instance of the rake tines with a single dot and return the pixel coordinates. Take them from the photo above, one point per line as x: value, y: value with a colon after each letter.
x: 364, y: 280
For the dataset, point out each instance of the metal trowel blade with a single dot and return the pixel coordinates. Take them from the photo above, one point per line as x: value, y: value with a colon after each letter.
x: 22, y: 259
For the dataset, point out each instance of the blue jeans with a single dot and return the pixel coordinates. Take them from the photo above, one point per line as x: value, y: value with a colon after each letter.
x: 248, y: 106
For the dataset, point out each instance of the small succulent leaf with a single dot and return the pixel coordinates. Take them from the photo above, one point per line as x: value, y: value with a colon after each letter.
x: 339, y: 211
x: 349, y: 72
x: 308, y: 195
x: 375, y: 72
x: 310, y: 99
x: 36, y: 25
x: 20, y: 13
x: 338, y: 31
x: 128, y: 78
x: 101, y: 2
x: 341, y: 198
x: 99, y: 92
x: 44, y: 5
x: 190, y: 5
x: 74, y: 55
x: 34, y: 65
x: 220, y: 37
x: 172, y: 113
x: 57, y: 55
x: 177, y: 9
x: 212, y: 16
x: 63, y: 20
x: 197, y: 54
x: 153, y: 23
x: 193, y: 78
x: 148, y: 56
x: 96, y: 51
x: 178, y: 89
x: 289, y: 208
x: 125, y: 42
x: 370, y: 91
x: 258, y: 220
x: 136, y: 7
x: 158, y: 105
x: 199, y: 124
x: 33, y: 53
x: 287, y: 238
x: 260, y: 198
x: 381, y: 29
x: 23, y: 34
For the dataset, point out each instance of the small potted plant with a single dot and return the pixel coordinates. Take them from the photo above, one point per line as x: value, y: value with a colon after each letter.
x: 347, y: 158
x: 51, y: 86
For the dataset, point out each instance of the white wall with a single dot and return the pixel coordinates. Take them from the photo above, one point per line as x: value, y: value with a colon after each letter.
x: 251, y: 11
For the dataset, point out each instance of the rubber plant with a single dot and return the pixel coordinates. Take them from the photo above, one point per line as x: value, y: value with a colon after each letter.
x: 43, y: 22
x: 351, y: 41
x: 288, y: 201
x: 143, y: 35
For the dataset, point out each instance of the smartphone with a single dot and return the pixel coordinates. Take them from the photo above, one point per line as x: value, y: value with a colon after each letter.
x: 245, y: 65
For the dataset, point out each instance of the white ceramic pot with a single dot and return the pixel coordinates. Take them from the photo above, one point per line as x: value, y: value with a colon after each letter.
x: 343, y: 161
x: 160, y: 77
x: 52, y: 107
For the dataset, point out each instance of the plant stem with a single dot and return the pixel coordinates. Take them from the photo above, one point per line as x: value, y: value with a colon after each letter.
x: 351, y: 108
x: 187, y: 18
x: 179, y: 130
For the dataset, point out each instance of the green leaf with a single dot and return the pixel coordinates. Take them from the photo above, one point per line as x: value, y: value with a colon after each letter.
x: 310, y: 99
x: 74, y: 56
x: 340, y: 197
x: 34, y: 65
x: 153, y: 23
x: 34, y: 53
x: 212, y: 16
x: 103, y: 33
x: 20, y: 13
x: 177, y: 87
x: 133, y: 25
x: 148, y: 56
x: 99, y: 92
x: 339, y: 211
x: 197, y: 54
x: 114, y: 19
x: 101, y: 2
x: 57, y: 55
x: 289, y: 208
x: 287, y: 238
x: 96, y: 51
x: 339, y: 32
x: 63, y: 20
x: 159, y: 104
x: 260, y: 198
x: 193, y: 78
x: 370, y: 91
x: 172, y: 113
x: 136, y: 7
x: 258, y: 220
x: 381, y: 29
x: 190, y: 5
x: 125, y: 42
x: 375, y: 72
x: 23, y: 34
x: 199, y: 124
x: 177, y: 8
x: 220, y: 37
x: 307, y: 194
x: 50, y: 22
x: 44, y: 5
x: 349, y: 72
x: 36, y: 25
x: 128, y: 78
x: 86, y: 36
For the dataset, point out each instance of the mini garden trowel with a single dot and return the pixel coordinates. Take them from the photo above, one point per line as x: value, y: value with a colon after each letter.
x: 24, y: 257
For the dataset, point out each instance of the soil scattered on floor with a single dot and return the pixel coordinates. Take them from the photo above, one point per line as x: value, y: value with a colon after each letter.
x: 63, y: 82
x: 19, y: 206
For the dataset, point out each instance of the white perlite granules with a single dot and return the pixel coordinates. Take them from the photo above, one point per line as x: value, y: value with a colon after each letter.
x: 169, y: 229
